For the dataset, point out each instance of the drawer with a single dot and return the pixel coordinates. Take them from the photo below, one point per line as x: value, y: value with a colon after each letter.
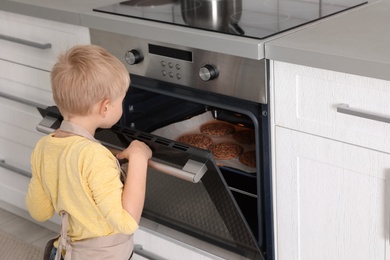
x: 18, y: 117
x: 18, y: 134
x: 307, y: 100
x: 15, y: 156
x: 37, y: 42
x: 153, y: 245
x: 25, y: 82
x: 13, y: 188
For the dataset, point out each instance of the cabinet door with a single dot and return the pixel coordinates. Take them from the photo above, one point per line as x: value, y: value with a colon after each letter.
x: 36, y: 42
x: 331, y: 200
x: 335, y: 105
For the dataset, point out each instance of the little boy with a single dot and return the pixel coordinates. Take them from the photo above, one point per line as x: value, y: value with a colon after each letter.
x: 75, y: 175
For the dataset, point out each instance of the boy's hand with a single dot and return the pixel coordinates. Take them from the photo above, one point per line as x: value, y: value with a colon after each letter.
x: 136, y: 150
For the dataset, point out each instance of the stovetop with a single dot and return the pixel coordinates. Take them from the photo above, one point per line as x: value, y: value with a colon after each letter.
x: 257, y: 19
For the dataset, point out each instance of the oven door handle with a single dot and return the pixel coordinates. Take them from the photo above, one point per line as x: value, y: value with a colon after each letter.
x: 192, y: 171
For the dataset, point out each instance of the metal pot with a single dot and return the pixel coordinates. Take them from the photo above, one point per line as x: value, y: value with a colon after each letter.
x: 213, y: 15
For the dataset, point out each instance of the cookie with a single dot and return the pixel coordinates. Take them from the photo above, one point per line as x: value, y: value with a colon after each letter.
x: 226, y: 151
x: 246, y: 136
x: 197, y: 140
x: 248, y: 158
x: 217, y: 129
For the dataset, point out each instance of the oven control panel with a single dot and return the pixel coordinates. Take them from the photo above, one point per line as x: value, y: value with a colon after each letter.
x: 194, y: 68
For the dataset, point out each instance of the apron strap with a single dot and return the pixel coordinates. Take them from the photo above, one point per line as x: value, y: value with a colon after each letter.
x: 63, y: 235
x: 73, y: 128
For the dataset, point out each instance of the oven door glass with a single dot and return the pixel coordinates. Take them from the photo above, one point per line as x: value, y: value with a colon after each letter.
x: 186, y: 189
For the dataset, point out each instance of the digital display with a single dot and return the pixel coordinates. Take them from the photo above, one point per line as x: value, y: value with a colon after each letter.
x: 170, y: 52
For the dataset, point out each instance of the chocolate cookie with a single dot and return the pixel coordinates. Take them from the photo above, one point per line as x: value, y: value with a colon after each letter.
x: 217, y: 129
x: 197, y: 140
x: 248, y: 158
x: 226, y: 151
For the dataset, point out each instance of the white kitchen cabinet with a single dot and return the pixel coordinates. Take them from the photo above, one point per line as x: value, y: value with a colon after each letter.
x: 36, y: 42
x: 307, y: 98
x: 331, y: 170
x: 331, y: 199
x: 29, y: 49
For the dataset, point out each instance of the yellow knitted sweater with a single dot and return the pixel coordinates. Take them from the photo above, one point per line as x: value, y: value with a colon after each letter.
x: 81, y: 177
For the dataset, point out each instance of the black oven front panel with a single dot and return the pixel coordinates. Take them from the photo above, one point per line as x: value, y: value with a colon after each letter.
x: 226, y: 206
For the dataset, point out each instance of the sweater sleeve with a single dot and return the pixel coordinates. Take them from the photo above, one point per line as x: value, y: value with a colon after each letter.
x: 38, y: 203
x: 106, y: 187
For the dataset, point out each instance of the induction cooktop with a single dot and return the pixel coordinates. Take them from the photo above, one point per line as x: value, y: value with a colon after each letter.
x: 257, y: 19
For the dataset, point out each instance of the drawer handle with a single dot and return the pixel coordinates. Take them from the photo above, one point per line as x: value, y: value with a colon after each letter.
x: 4, y: 165
x: 138, y: 249
x: 345, y: 109
x: 22, y: 100
x: 42, y: 46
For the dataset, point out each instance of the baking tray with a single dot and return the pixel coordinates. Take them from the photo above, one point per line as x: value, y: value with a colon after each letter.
x: 192, y: 126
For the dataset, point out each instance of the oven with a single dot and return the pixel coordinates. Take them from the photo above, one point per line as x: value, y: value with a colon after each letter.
x: 220, y: 201
x: 176, y: 89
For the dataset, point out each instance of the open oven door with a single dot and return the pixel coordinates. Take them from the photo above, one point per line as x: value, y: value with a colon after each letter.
x: 185, y: 188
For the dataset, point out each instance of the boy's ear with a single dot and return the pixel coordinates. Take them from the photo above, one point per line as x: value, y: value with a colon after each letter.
x: 104, y: 105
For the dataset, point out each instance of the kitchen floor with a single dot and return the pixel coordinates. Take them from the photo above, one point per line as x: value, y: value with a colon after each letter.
x: 24, y: 230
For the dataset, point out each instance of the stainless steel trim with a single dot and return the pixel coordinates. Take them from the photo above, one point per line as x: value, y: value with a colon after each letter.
x: 138, y: 249
x: 238, y: 77
x: 45, y: 125
x: 42, y: 46
x: 243, y: 192
x: 4, y: 165
x: 22, y: 100
x: 192, y: 171
x: 345, y: 109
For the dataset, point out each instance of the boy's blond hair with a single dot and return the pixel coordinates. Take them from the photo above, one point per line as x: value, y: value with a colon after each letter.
x: 85, y: 75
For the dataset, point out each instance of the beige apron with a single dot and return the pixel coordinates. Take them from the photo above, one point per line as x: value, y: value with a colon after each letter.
x: 118, y: 246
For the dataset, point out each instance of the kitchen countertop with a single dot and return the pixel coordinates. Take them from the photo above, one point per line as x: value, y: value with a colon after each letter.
x: 81, y: 13
x: 356, y: 41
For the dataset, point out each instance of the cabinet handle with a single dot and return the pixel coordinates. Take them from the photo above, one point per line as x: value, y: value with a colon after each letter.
x: 4, y: 165
x: 22, y: 100
x: 138, y: 249
x: 345, y: 109
x: 42, y: 46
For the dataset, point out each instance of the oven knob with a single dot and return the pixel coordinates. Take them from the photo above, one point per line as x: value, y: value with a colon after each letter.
x: 208, y: 72
x: 133, y: 57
